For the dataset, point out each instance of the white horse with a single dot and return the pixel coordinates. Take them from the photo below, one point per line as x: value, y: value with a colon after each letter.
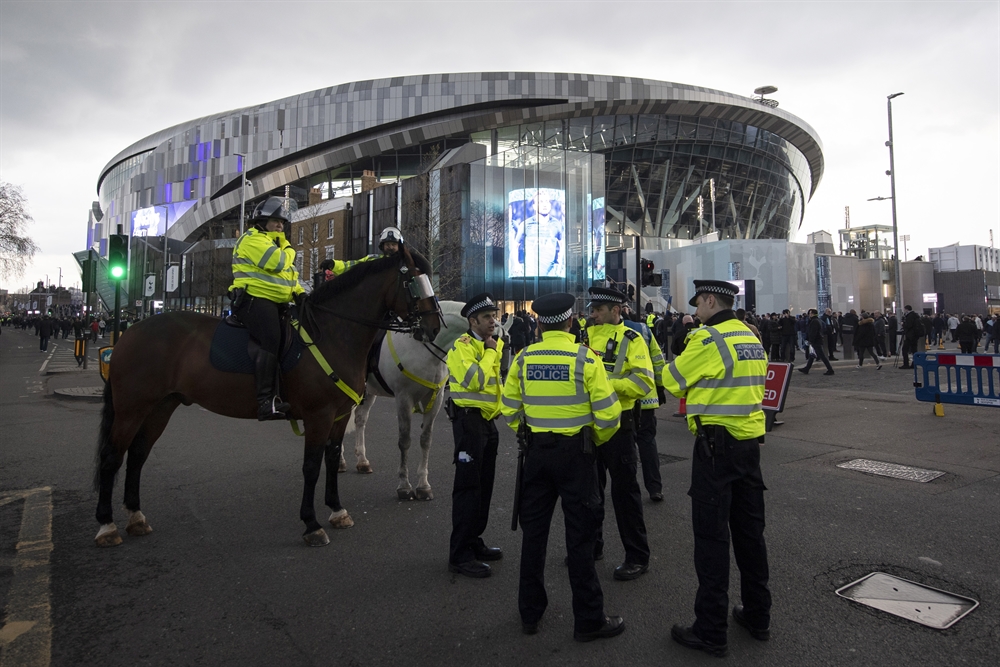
x: 418, y: 387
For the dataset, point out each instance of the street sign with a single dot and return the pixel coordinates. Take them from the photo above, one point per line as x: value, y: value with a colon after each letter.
x: 150, y: 285
x: 138, y: 303
x: 775, y: 391
x: 172, y: 275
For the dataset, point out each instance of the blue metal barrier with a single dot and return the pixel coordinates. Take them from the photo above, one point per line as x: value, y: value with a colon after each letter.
x: 966, y: 379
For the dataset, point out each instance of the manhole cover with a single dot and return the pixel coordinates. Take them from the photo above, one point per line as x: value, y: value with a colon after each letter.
x: 667, y: 458
x: 891, y: 470
x: 907, y: 599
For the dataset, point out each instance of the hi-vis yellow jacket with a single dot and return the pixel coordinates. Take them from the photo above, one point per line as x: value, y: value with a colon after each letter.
x: 560, y: 386
x: 264, y: 265
x: 631, y: 374
x: 651, y: 401
x: 721, y: 373
x: 474, y: 375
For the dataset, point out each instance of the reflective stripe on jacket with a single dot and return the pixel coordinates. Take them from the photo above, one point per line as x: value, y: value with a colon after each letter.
x: 264, y: 265
x: 721, y: 373
x: 631, y: 373
x: 560, y: 386
x: 650, y: 401
x: 474, y: 375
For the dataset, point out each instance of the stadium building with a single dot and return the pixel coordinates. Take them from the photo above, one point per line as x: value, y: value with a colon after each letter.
x: 541, y: 173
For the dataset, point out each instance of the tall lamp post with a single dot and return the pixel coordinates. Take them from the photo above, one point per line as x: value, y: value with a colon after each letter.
x: 892, y: 196
x: 245, y: 159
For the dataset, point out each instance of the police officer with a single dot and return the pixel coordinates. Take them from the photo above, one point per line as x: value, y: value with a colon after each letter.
x: 559, y: 392
x: 645, y: 434
x: 389, y: 243
x: 626, y: 360
x: 474, y: 383
x: 264, y: 281
x: 721, y: 372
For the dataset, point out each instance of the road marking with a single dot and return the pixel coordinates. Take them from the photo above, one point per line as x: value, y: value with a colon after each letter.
x: 26, y: 638
x: 41, y: 371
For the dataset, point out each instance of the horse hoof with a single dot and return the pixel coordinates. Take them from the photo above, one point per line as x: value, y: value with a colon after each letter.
x: 341, y: 519
x: 424, y: 494
x: 365, y: 469
x: 108, y: 536
x: 137, y: 525
x: 405, y: 494
x: 342, y: 467
x: 317, y: 538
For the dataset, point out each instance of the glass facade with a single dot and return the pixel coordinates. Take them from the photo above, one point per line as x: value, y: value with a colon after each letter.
x: 751, y: 182
x: 534, y: 224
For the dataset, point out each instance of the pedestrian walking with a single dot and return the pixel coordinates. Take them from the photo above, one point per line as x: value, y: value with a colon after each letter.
x: 558, y: 399
x: 45, y: 328
x: 475, y: 387
x: 721, y: 373
x: 864, y: 340
x: 814, y: 336
x: 966, y: 333
x: 912, y: 331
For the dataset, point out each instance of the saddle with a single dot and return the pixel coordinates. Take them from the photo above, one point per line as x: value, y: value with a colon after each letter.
x: 230, y: 351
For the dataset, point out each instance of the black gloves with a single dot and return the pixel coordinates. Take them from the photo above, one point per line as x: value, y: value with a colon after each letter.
x: 661, y: 395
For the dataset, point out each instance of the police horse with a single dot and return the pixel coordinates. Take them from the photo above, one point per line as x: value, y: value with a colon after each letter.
x: 164, y: 361
x: 414, y: 372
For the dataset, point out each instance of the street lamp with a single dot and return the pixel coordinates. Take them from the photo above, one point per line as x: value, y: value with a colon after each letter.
x: 892, y: 193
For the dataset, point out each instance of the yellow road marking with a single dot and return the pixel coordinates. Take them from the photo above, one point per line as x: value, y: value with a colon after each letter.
x: 26, y: 638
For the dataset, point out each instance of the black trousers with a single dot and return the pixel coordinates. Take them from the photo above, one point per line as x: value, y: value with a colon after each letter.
x: 649, y: 457
x: 893, y: 337
x: 967, y: 346
x: 831, y: 341
x: 262, y: 319
x: 880, y: 345
x: 727, y: 501
x: 861, y: 355
x: 909, y: 347
x: 476, y: 441
x: 618, y: 459
x: 788, y: 347
x: 560, y: 470
x: 821, y: 355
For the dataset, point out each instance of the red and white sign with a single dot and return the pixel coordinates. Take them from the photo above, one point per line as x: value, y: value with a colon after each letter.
x: 969, y: 360
x: 776, y: 386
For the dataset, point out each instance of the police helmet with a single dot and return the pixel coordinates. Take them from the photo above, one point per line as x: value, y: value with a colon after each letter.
x: 278, y: 208
x: 390, y: 234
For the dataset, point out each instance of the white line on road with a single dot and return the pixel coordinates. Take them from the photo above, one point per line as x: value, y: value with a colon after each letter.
x: 41, y: 371
x: 26, y: 638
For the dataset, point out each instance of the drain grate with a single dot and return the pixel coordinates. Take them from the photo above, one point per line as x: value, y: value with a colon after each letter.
x: 891, y: 470
x: 668, y: 458
x: 907, y: 599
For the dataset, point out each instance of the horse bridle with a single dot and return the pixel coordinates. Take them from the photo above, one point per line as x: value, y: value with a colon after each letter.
x: 417, y: 286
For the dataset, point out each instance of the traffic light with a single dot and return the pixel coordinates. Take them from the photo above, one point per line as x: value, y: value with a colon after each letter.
x: 117, y: 256
x: 646, y: 267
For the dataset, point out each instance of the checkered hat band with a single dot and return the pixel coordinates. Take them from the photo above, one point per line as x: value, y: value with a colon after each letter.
x: 555, y: 319
x: 606, y: 297
x: 718, y: 290
x: 485, y: 303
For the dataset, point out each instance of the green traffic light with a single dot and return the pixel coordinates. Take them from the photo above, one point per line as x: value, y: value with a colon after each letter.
x: 117, y: 272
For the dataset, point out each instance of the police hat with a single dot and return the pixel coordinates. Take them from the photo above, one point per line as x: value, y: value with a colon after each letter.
x: 713, y: 287
x: 599, y: 295
x: 554, y: 308
x: 478, y: 304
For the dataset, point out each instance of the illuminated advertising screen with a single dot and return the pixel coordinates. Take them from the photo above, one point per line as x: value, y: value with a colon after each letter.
x: 536, y: 233
x: 597, y: 239
x: 156, y: 220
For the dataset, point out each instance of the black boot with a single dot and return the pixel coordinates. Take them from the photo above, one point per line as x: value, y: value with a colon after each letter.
x: 269, y: 406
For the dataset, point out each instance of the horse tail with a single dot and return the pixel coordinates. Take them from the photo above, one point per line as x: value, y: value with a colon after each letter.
x: 104, y: 446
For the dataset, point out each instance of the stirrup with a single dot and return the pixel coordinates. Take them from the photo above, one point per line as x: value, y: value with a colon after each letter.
x: 272, y: 410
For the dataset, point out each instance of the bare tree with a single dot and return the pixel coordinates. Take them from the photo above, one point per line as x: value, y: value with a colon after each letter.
x: 16, y: 249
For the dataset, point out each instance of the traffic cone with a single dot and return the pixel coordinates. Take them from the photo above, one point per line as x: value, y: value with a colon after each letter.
x: 681, y: 409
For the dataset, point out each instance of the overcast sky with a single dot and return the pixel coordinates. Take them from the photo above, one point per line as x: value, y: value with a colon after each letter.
x: 80, y: 81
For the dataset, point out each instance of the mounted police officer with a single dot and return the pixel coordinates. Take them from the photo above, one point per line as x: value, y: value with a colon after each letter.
x: 264, y: 281
x: 721, y: 372
x: 390, y: 242
x: 626, y: 360
x: 474, y: 382
x: 557, y: 396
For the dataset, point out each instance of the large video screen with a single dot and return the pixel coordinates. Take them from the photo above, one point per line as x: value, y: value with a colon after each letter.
x: 597, y: 238
x: 536, y: 233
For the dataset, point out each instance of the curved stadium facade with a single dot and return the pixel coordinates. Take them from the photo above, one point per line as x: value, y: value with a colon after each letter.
x: 676, y: 160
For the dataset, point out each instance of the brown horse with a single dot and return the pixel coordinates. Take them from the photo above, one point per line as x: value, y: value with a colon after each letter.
x: 163, y: 362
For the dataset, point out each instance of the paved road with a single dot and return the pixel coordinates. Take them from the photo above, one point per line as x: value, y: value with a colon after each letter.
x: 225, y: 578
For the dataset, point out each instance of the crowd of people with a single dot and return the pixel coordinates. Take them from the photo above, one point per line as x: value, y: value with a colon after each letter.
x: 48, y: 326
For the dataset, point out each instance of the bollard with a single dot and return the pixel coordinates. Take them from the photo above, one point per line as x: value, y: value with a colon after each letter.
x: 681, y: 408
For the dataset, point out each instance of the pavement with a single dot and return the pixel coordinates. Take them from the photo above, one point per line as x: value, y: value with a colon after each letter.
x: 226, y: 579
